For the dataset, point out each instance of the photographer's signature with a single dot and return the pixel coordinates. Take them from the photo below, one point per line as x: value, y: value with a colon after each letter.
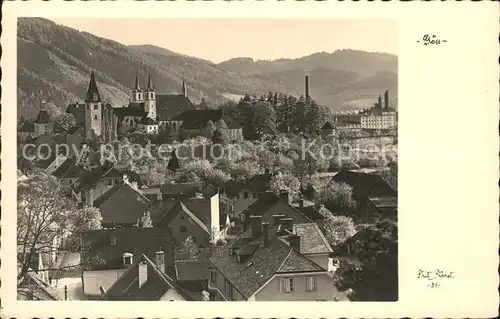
x: 434, y: 277
x: 431, y: 39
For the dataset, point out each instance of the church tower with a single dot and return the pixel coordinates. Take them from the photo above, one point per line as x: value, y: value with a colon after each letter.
x: 137, y: 94
x: 150, y: 100
x: 93, y: 109
x: 184, y: 89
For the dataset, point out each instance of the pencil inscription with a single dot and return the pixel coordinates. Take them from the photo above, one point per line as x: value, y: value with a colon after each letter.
x: 431, y: 40
x: 434, y: 277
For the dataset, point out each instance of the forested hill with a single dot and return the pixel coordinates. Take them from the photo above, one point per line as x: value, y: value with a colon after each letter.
x: 54, y: 64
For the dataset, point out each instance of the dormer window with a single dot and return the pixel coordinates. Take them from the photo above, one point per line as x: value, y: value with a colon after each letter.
x: 112, y: 240
x: 127, y: 259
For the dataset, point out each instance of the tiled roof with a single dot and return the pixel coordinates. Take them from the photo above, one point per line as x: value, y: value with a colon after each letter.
x: 196, y: 211
x: 268, y: 199
x: 157, y: 284
x: 32, y: 284
x: 349, y: 119
x: 327, y: 126
x: 43, y: 117
x: 69, y: 169
x: 191, y: 270
x: 181, y: 189
x: 312, y: 240
x: 91, y: 178
x: 170, y: 105
x: 249, y: 274
x: 100, y: 253
x: 122, y: 205
x: 364, y: 185
x: 257, y: 183
x: 296, y: 262
x: 311, y: 212
x: 130, y: 110
x: 27, y: 127
x: 198, y: 118
x: 92, y: 92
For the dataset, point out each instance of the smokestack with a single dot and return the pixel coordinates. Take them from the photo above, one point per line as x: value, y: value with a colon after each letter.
x: 294, y: 241
x: 265, y: 234
x: 255, y: 224
x: 379, y: 102
x: 307, y: 88
x: 143, y: 273
x: 285, y: 195
x: 160, y: 260
x: 386, y: 99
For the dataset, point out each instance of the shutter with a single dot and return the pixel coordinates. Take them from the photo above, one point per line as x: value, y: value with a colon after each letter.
x: 282, y: 285
x: 290, y: 281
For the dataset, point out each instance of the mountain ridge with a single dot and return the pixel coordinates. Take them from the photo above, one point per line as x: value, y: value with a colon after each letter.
x: 55, y: 61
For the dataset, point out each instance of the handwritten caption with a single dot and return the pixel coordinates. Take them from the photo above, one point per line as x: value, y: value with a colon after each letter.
x: 434, y: 278
x: 431, y: 39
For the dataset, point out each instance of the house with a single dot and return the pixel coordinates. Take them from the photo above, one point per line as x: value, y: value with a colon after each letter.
x: 185, y: 153
x: 147, y: 125
x: 198, y: 218
x: 42, y: 123
x: 363, y: 186
x: 146, y: 280
x: 181, y: 190
x: 327, y: 129
x: 269, y: 204
x: 69, y: 171
x: 58, y: 161
x: 348, y: 123
x: 33, y: 287
x: 192, y: 275
x: 311, y: 212
x: 259, y: 265
x: 313, y: 243
x: 386, y: 207
x: 26, y: 131
x: 108, y: 253
x: 122, y: 205
x: 94, y: 183
x: 380, y: 117
x: 244, y: 193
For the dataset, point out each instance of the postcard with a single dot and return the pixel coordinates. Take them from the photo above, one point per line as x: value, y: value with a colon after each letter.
x: 185, y: 159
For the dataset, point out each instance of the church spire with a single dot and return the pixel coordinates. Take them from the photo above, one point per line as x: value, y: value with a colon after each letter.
x: 150, y: 83
x: 92, y: 92
x: 184, y: 89
x: 136, y: 86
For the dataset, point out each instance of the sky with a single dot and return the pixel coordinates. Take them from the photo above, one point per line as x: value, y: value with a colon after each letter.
x: 219, y: 40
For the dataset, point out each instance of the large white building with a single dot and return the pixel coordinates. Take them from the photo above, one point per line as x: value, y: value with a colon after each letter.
x: 380, y: 117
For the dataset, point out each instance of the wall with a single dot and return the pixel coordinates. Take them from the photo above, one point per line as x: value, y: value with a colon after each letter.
x: 215, y: 216
x: 171, y: 295
x: 325, y: 289
x: 105, y: 278
x: 192, y: 229
x: 223, y: 288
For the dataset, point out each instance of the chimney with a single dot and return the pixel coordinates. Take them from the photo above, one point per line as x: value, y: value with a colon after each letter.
x: 277, y: 219
x: 160, y: 260
x: 307, y: 88
x: 301, y: 202
x: 285, y: 195
x: 265, y: 233
x: 255, y: 224
x: 89, y: 197
x: 125, y: 178
x: 294, y: 241
x: 287, y: 223
x: 386, y: 99
x: 143, y: 273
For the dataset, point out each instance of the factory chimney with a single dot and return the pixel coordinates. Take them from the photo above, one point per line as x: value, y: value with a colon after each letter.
x: 307, y: 88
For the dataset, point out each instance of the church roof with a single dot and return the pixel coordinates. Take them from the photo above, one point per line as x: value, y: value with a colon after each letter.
x: 133, y: 109
x: 136, y: 86
x: 92, y: 92
x: 150, y: 83
x: 27, y: 127
x: 147, y: 121
x: 171, y: 105
x: 43, y: 117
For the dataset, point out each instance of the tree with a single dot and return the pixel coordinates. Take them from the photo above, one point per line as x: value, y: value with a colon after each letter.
x: 338, y: 229
x: 220, y: 136
x: 80, y: 221
x: 63, y: 122
x: 52, y: 110
x: 313, y: 117
x: 264, y: 118
x: 187, y: 250
x: 286, y: 182
x: 337, y: 197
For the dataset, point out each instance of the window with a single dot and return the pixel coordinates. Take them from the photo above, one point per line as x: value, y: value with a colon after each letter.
x: 183, y: 229
x: 245, y: 195
x: 109, y: 182
x: 127, y: 259
x: 311, y: 283
x: 95, y: 117
x: 286, y: 285
x: 95, y: 106
x: 213, y: 276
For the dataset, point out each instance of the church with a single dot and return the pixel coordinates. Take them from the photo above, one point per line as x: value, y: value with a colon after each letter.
x: 148, y: 113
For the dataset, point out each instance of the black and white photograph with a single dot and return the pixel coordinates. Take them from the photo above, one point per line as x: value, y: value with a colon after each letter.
x: 261, y: 166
